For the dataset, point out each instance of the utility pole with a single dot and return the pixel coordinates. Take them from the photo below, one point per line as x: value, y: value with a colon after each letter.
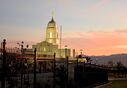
x: 34, y: 84
x: 4, y: 65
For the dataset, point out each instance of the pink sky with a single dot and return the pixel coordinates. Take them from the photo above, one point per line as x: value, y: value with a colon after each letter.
x: 98, y: 43
x: 92, y: 43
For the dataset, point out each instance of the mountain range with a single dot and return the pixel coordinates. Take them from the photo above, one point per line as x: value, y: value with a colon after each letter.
x: 114, y: 58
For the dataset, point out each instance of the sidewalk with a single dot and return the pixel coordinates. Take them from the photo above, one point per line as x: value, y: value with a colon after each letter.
x: 103, y: 85
x: 110, y: 79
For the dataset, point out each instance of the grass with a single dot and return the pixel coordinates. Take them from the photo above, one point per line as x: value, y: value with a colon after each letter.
x: 116, y: 84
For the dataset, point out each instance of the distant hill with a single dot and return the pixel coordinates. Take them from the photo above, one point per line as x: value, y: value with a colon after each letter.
x: 105, y: 59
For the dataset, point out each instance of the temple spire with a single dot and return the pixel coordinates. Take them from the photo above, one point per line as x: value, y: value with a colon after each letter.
x: 53, y: 14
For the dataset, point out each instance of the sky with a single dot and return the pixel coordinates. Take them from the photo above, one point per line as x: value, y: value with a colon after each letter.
x: 99, y: 27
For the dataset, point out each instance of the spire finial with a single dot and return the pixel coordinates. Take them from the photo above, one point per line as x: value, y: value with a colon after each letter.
x: 52, y: 13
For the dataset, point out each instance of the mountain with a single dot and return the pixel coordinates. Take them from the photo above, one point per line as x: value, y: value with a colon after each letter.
x: 114, y: 58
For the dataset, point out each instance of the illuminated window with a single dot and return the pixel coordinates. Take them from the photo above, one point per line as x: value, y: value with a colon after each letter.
x: 50, y: 35
x: 44, y: 49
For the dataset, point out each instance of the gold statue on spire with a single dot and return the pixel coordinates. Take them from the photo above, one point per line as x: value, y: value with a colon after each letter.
x: 53, y: 13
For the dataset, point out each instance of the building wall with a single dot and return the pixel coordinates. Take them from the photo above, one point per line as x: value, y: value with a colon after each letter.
x: 62, y: 53
x: 45, y: 48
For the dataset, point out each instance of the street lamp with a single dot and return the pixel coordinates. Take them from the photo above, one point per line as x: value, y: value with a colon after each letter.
x: 81, y: 51
x: 66, y: 51
x: 66, y: 56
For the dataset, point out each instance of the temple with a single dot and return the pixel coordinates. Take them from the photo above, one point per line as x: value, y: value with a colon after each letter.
x: 51, y: 44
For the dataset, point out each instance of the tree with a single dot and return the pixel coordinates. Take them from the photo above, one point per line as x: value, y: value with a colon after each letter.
x: 120, y: 68
x: 110, y: 63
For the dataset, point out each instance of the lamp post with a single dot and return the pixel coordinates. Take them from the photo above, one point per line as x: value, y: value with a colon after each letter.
x: 66, y: 51
x: 66, y: 56
x: 81, y: 51
x: 83, y: 57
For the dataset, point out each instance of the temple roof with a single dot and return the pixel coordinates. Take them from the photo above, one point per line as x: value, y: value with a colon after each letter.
x: 52, y: 23
x: 52, y: 20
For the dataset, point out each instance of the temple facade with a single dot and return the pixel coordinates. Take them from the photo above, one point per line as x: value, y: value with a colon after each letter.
x: 51, y: 44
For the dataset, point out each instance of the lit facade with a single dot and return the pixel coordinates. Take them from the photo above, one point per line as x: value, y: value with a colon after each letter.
x: 50, y: 46
x: 52, y: 33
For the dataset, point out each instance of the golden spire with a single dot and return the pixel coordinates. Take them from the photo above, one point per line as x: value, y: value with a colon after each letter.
x: 53, y: 13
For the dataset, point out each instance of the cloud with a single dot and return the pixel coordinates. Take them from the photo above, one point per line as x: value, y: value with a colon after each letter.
x: 103, y: 2
x: 121, y: 46
x: 97, y: 42
x: 122, y: 31
x: 100, y: 3
x: 77, y: 35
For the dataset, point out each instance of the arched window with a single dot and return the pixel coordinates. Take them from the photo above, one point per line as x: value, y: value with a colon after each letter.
x: 44, y: 49
x: 50, y: 34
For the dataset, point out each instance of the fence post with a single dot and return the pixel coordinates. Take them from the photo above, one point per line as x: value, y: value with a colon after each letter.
x: 67, y: 71
x: 4, y: 65
x: 34, y: 84
x: 54, y: 70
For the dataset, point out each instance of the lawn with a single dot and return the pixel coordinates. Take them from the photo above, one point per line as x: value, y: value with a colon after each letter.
x: 116, y: 84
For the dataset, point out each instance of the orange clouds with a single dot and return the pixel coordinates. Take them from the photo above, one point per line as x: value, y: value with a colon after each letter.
x: 97, y: 43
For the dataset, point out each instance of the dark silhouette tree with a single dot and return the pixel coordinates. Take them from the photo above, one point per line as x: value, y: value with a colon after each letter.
x: 120, y: 67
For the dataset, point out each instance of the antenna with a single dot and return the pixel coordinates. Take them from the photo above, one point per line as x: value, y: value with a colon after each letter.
x: 60, y: 38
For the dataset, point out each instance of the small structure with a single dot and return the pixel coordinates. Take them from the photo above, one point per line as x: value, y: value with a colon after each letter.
x: 83, y: 58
